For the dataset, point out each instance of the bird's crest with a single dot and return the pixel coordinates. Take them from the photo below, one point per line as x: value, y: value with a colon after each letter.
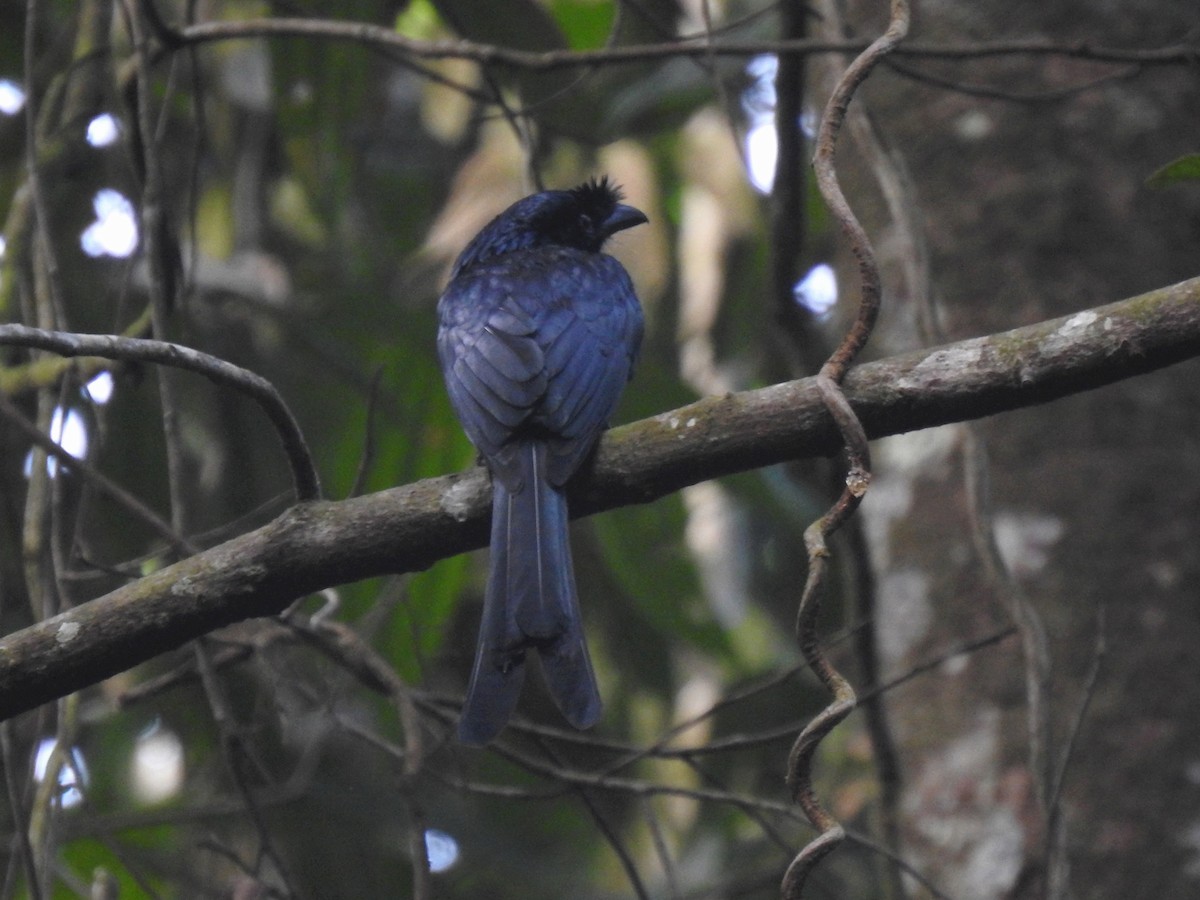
x: 583, y: 217
x: 597, y: 192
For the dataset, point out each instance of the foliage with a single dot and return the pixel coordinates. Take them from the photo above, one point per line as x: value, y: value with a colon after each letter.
x: 1185, y: 168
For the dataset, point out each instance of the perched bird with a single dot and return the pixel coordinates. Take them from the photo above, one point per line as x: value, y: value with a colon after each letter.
x: 538, y: 332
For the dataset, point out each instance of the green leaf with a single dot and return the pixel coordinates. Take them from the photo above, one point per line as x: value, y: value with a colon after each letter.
x: 419, y: 20
x: 586, y: 23
x: 1186, y: 168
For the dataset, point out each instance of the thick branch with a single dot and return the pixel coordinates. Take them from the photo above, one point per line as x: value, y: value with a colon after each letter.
x: 315, y: 545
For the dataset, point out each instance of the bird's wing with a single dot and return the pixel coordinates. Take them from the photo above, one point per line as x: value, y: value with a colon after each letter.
x: 589, y: 338
x: 493, y: 365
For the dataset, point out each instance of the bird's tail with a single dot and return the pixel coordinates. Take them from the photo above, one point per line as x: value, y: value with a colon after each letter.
x: 530, y: 604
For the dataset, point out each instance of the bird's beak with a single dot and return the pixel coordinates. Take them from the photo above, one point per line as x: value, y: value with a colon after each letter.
x: 623, y: 217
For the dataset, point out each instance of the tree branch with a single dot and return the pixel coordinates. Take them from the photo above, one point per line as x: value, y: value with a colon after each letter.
x: 315, y: 545
x: 378, y: 35
x: 111, y: 346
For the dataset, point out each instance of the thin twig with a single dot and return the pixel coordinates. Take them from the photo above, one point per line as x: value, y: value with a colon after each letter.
x: 610, y: 833
x: 739, y: 742
x: 788, y: 219
x: 1048, y: 95
x: 162, y: 278
x: 17, y: 810
x: 414, y: 760
x: 658, y: 840
x: 232, y: 748
x: 366, y: 458
x: 899, y: 862
x: 884, y: 752
x: 102, y: 482
x: 366, y: 33
x: 565, y: 778
x: 1056, y: 851
x: 41, y: 239
x: 1034, y: 642
x: 109, y: 346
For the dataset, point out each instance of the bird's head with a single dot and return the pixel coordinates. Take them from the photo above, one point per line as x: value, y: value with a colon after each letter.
x: 582, y: 218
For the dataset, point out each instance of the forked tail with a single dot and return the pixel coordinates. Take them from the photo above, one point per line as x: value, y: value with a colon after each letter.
x: 530, y: 604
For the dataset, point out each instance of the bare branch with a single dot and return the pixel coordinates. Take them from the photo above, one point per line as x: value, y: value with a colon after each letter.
x: 102, y: 482
x: 315, y: 545
x: 378, y: 35
x: 111, y: 346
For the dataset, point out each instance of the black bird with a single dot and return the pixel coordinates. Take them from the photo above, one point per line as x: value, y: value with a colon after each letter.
x: 538, y: 332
